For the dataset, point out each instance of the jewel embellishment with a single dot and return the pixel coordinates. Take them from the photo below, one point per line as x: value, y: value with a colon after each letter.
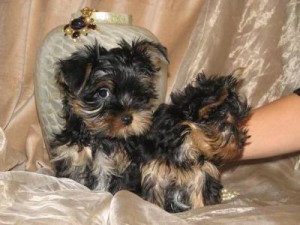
x: 81, y: 25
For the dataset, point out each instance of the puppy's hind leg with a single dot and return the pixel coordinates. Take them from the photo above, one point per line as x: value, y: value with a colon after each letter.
x: 153, y: 182
x: 177, y: 189
x: 159, y: 187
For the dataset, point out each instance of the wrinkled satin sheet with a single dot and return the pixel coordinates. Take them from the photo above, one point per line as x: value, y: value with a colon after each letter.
x: 260, y: 36
x: 266, y: 193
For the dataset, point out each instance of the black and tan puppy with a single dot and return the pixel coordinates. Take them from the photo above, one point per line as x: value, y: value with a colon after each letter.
x: 112, y: 140
x: 201, y: 128
x: 108, y: 99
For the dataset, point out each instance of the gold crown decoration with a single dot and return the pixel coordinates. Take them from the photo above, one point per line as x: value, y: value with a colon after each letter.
x: 89, y: 19
x: 80, y: 25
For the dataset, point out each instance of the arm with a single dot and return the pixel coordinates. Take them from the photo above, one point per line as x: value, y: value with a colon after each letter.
x: 274, y: 129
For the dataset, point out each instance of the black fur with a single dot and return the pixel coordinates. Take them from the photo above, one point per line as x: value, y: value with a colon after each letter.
x: 222, y: 117
x: 112, y: 141
x: 211, y: 190
x: 128, y: 73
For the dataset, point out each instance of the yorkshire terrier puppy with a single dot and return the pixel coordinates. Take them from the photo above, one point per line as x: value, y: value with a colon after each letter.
x: 201, y: 128
x: 107, y: 104
x: 112, y: 140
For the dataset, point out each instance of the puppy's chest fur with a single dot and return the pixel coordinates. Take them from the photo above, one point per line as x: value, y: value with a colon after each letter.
x: 101, y: 166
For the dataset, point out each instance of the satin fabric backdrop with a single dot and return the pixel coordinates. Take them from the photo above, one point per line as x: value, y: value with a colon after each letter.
x: 213, y: 36
x: 262, y: 37
x: 26, y: 22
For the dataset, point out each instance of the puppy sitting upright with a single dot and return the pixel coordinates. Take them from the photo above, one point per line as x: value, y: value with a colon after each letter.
x: 108, y: 100
x: 201, y: 128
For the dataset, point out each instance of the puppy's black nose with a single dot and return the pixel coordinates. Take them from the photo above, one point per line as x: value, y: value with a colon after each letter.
x: 126, y: 119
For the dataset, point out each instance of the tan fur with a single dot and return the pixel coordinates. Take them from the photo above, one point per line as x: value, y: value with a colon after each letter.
x: 200, y: 142
x: 78, y: 157
x: 86, y: 76
x: 77, y: 160
x: 105, y: 166
x: 154, y: 53
x: 203, y: 112
x: 208, y: 142
x: 229, y: 151
x: 157, y: 176
x: 196, y: 189
x: 113, y: 126
x: 102, y: 166
x: 146, y: 80
x: 114, y: 164
x: 104, y: 84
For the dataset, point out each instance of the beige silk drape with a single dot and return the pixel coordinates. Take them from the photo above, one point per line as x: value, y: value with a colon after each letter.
x: 214, y: 36
x: 26, y: 22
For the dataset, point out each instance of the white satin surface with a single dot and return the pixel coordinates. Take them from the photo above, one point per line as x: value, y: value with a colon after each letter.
x: 31, y: 198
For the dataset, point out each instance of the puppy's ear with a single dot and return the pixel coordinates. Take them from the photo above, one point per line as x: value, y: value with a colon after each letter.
x: 74, y: 71
x: 153, y: 51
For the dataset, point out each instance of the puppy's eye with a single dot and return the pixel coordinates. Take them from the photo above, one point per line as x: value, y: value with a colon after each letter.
x: 103, y: 93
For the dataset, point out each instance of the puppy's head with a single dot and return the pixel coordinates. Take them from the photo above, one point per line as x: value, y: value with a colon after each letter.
x: 210, y: 99
x: 214, y: 114
x: 112, y: 91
